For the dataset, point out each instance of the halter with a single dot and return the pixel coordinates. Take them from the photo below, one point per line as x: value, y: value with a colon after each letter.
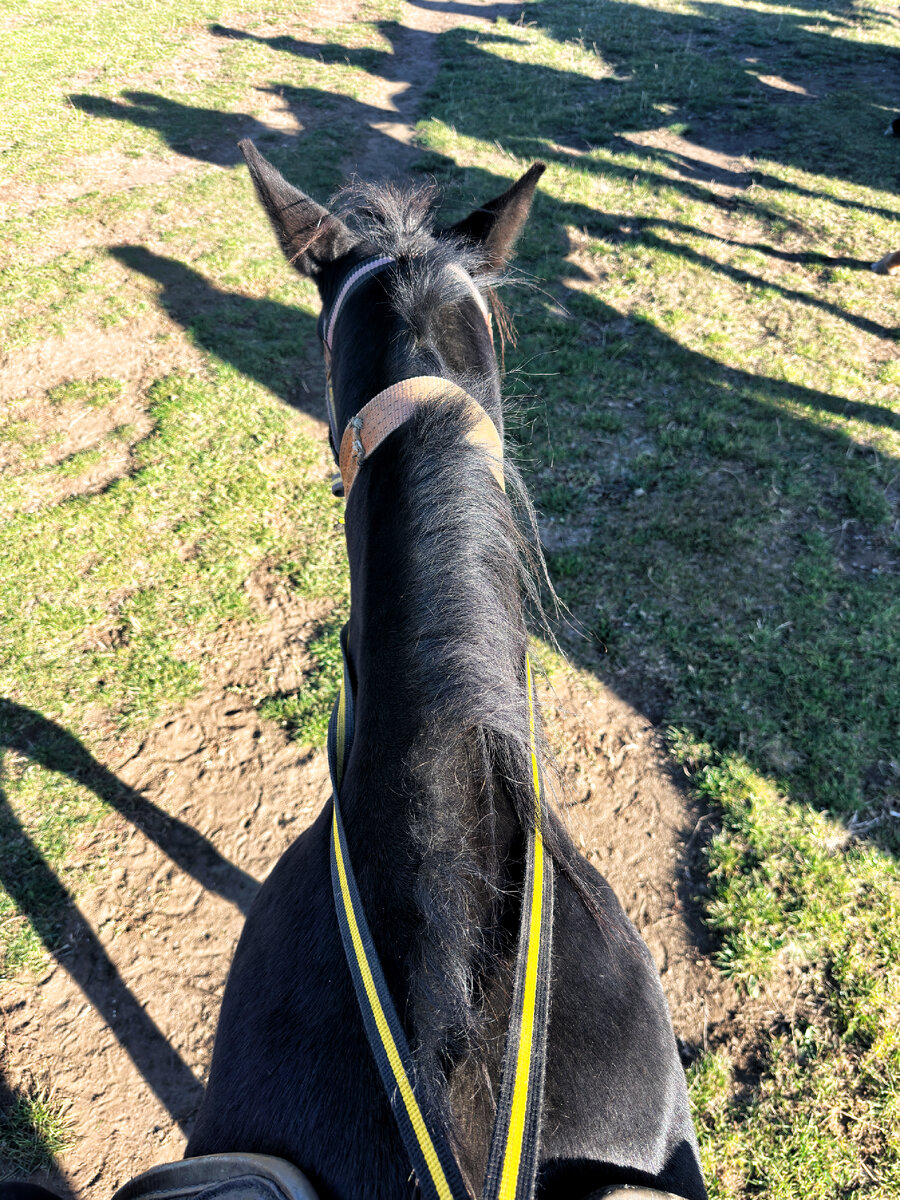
x: 391, y: 407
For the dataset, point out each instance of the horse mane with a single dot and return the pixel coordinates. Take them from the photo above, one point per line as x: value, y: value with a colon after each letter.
x: 472, y: 577
x: 475, y: 570
x: 469, y: 567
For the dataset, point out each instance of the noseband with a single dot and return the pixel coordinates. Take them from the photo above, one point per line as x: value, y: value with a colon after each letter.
x: 393, y: 406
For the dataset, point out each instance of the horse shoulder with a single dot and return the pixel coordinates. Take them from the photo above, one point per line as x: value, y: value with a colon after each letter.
x: 292, y: 1074
x: 615, y: 1093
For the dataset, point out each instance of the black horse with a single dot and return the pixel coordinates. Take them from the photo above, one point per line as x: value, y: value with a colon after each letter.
x: 437, y: 794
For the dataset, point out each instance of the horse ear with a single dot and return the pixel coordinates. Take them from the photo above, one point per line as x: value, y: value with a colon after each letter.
x: 497, y: 224
x: 309, y: 235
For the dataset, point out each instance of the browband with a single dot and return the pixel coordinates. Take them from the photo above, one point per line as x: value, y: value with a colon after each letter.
x: 389, y: 409
x: 356, y: 276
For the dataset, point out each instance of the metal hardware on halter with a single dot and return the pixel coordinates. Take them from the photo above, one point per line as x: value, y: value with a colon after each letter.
x: 359, y: 452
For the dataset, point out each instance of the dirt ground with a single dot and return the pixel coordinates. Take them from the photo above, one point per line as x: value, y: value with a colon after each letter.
x: 123, y: 1023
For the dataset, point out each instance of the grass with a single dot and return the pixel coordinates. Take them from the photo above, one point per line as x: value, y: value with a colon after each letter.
x: 34, y: 1128
x: 174, y: 543
x: 305, y: 713
x: 143, y: 41
x: 703, y: 399
x: 124, y: 586
x: 746, y: 446
x: 789, y: 886
x: 92, y: 393
x: 107, y: 595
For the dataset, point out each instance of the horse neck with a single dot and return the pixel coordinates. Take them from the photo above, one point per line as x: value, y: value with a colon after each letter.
x: 437, y: 642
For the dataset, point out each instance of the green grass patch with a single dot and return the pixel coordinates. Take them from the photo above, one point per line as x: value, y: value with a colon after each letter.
x: 220, y: 485
x: 92, y: 393
x: 788, y: 886
x: 189, y: 77
x: 305, y: 713
x: 34, y: 1128
x: 77, y: 464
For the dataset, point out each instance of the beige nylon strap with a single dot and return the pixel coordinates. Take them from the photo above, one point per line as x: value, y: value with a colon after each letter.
x: 389, y: 409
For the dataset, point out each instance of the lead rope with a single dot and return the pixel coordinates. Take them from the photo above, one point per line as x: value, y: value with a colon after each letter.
x: 515, y: 1141
x: 513, y: 1153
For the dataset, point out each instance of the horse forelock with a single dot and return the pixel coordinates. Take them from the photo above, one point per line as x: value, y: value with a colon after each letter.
x: 400, y: 222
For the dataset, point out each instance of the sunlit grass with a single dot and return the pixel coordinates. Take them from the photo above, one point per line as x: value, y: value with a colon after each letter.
x: 33, y: 1130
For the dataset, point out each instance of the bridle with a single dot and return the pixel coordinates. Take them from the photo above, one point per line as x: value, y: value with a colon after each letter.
x: 393, y: 406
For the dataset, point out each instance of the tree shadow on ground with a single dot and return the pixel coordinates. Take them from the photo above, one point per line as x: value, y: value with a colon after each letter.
x: 53, y: 915
x: 206, y: 134
x: 490, y: 12
x: 267, y: 341
x: 52, y: 747
x: 603, y: 224
x: 49, y: 908
x: 698, y: 72
x: 690, y: 72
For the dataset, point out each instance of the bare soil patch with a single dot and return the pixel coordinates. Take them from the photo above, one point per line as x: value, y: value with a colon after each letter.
x: 726, y: 173
x: 106, y: 171
x: 634, y: 822
x: 136, y: 354
x: 132, y: 356
x: 155, y: 939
